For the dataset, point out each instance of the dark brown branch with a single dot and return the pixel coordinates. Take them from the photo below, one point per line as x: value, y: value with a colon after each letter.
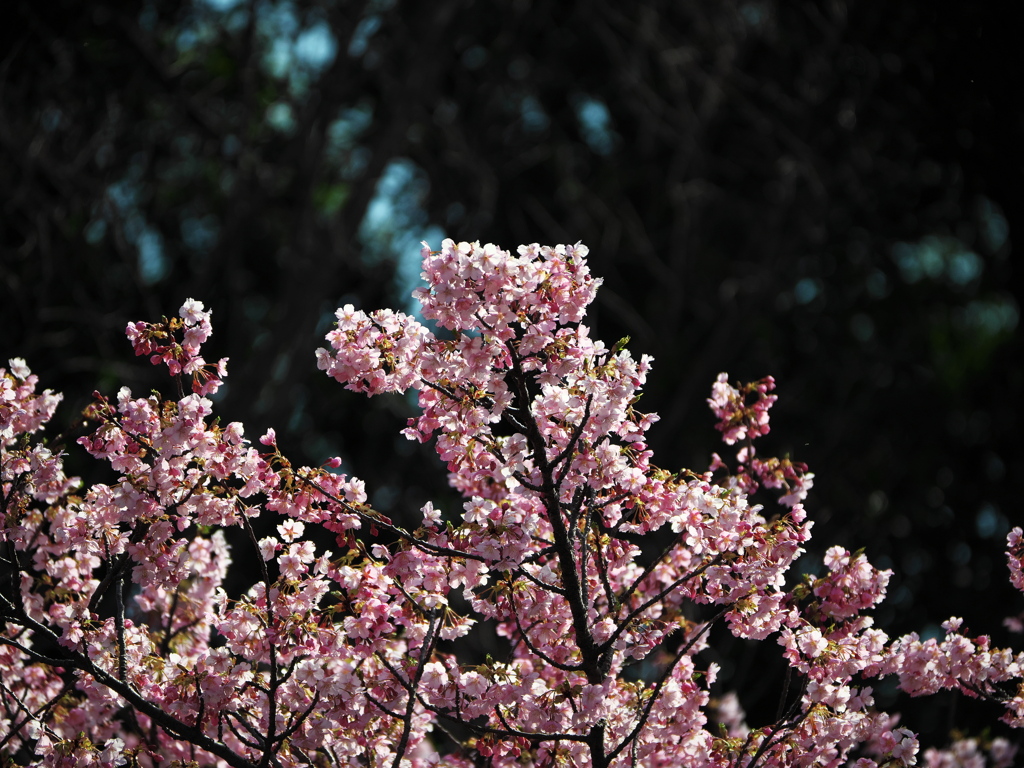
x: 635, y: 613
x: 426, y: 651
x: 534, y: 649
x: 176, y: 728
x: 424, y: 546
x: 655, y: 694
x: 566, y: 453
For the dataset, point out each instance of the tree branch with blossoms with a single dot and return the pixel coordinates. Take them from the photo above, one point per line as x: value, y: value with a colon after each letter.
x: 604, y: 575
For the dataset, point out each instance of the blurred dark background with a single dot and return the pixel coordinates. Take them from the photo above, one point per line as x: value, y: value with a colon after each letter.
x: 824, y: 191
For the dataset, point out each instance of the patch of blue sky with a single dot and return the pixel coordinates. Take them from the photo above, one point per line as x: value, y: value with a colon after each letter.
x: 806, y: 290
x: 222, y: 5
x: 368, y: 26
x: 279, y: 58
x: 191, y: 36
x: 964, y: 266
x: 534, y: 118
x: 316, y: 47
x: 937, y: 255
x: 396, y: 223
x: 95, y: 231
x: 153, y: 264
x: 298, y: 50
x: 124, y: 193
x: 345, y: 130
x: 356, y: 163
x: 200, y: 233
x: 990, y: 523
x: 278, y: 20
x: 122, y: 207
x: 991, y: 316
x: 231, y: 15
x: 994, y: 229
x: 409, y: 268
x: 281, y: 117
x: 596, y: 125
x: 365, y: 29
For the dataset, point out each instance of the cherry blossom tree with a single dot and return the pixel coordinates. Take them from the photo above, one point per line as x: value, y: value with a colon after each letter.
x: 605, y: 575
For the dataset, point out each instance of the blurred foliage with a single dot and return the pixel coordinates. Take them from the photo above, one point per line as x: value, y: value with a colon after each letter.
x: 821, y: 191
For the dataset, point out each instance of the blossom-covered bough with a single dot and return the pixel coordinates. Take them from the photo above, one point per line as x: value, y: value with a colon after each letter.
x: 605, y: 574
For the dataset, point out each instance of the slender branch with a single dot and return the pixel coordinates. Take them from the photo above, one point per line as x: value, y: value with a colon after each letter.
x: 734, y: 763
x: 172, y: 725
x: 546, y: 587
x: 299, y: 720
x: 583, y: 537
x: 649, y: 568
x: 534, y: 649
x: 519, y: 476
x: 575, y: 509
x: 441, y: 388
x: 426, y: 651
x: 536, y: 557
x: 201, y: 713
x: 613, y: 500
x: 30, y: 715
x: 115, y: 569
x: 165, y: 644
x: 532, y: 737
x: 138, y: 534
x: 656, y: 692
x: 274, y: 683
x: 566, y: 452
x: 784, y: 695
x: 256, y: 742
x: 602, y: 570
x: 401, y: 532
x: 571, y: 580
x: 533, y: 436
x: 507, y: 732
x: 777, y: 735
x: 656, y: 599
x: 122, y: 671
x: 380, y: 705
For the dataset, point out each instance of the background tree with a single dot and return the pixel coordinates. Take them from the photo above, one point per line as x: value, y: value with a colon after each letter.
x: 277, y: 159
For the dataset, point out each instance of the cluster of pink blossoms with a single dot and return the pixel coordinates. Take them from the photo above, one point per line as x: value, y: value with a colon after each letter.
x: 605, y: 575
x: 161, y: 342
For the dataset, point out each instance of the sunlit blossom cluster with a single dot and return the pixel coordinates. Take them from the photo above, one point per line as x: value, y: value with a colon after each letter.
x: 604, y: 577
x: 1015, y: 557
x: 176, y: 343
x: 739, y: 419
